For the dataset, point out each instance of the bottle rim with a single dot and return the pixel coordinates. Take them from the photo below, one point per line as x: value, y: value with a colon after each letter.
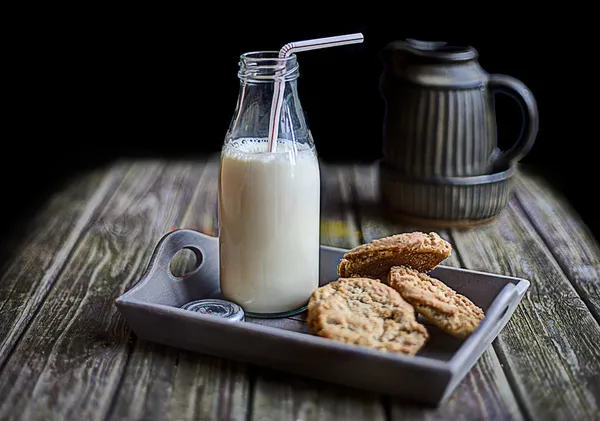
x: 267, y: 66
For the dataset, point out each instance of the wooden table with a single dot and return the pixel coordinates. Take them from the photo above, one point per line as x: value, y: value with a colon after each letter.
x: 67, y: 354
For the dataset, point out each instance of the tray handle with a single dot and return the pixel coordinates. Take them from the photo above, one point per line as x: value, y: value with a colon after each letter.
x: 205, y: 248
x: 507, y: 296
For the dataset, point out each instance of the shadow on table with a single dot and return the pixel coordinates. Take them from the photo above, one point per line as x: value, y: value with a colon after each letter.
x: 27, y: 192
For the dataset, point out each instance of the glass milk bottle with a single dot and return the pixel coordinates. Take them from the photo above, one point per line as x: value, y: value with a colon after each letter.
x: 268, y: 201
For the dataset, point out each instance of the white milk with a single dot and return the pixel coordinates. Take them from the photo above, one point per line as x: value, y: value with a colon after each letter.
x: 269, y: 218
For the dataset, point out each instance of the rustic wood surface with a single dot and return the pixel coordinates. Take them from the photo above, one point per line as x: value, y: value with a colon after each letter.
x: 66, y: 352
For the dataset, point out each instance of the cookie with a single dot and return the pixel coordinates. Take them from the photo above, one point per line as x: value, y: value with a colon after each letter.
x: 437, y: 302
x: 416, y: 250
x: 366, y: 312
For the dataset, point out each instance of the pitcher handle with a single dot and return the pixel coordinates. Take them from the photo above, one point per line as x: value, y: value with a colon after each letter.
x: 517, y: 90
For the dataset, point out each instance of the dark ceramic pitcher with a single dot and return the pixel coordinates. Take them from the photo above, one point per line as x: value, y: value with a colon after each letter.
x: 440, y: 119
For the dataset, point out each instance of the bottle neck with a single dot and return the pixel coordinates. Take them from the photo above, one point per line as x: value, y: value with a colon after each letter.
x: 259, y: 73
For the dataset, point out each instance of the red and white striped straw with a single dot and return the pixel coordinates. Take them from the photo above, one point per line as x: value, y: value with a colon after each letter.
x: 279, y: 88
x: 314, y: 44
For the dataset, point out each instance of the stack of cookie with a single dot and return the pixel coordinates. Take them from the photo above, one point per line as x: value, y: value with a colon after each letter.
x: 383, y: 285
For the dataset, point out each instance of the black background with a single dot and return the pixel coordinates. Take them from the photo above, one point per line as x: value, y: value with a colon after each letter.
x: 97, y: 85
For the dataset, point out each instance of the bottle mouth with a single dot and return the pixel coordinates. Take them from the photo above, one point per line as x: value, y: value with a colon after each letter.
x: 267, y: 66
x: 262, y: 56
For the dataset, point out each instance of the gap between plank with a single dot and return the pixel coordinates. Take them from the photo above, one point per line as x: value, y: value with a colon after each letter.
x: 560, y: 264
x: 512, y: 381
x: 355, y: 207
x: 251, y: 392
x: 386, y: 402
x: 461, y: 261
x: 113, y: 400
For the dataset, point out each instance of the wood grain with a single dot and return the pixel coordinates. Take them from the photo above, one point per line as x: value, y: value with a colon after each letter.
x: 162, y: 382
x: 484, y: 393
x: 549, y: 348
x: 165, y: 383
x: 41, y: 255
x: 69, y: 363
x: 338, y: 224
x: 565, y: 234
x: 202, y: 214
x: 280, y: 396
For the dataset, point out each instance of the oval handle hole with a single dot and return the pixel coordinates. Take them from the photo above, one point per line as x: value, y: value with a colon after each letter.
x: 185, y: 262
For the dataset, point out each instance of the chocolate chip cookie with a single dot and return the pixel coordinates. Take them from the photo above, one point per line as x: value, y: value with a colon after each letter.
x: 441, y: 305
x: 366, y: 312
x: 416, y: 250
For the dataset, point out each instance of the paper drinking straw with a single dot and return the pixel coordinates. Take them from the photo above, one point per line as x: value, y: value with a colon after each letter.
x: 279, y: 87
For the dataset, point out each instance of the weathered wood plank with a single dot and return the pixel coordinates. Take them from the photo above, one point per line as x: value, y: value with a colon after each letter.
x: 338, y: 225
x: 69, y: 362
x: 568, y: 239
x: 165, y: 383
x: 484, y: 393
x: 213, y: 389
x: 202, y: 214
x: 279, y: 396
x: 296, y: 398
x: 162, y: 382
x: 550, y: 345
x: 42, y: 253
